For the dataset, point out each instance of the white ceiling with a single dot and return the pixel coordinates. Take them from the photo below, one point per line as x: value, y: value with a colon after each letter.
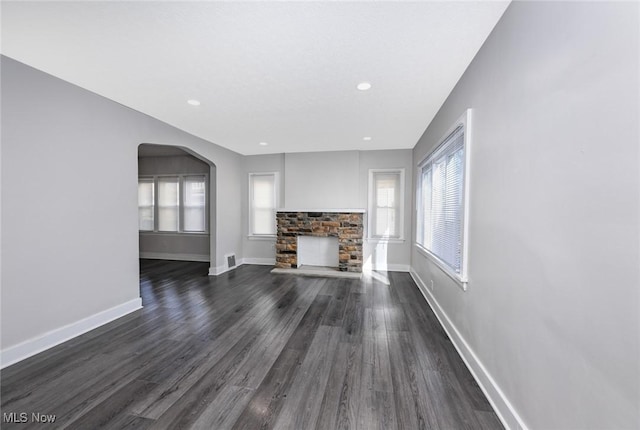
x: 279, y: 72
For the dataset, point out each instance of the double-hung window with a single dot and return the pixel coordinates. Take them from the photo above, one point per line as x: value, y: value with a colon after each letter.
x: 168, y: 203
x: 263, y: 201
x: 386, y: 203
x: 443, y: 208
x: 194, y: 204
x: 146, y: 204
x: 172, y: 203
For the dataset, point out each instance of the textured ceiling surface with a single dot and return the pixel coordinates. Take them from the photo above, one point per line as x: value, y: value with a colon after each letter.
x: 284, y: 73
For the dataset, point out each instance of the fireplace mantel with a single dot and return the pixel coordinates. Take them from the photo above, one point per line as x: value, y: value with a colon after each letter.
x: 345, y: 224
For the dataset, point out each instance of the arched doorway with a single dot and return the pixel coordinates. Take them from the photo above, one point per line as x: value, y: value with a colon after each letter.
x: 176, y: 204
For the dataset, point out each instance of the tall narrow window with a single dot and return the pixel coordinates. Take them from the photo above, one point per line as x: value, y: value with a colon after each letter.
x: 146, y: 204
x: 386, y: 203
x: 443, y: 208
x: 195, y: 198
x: 262, y: 202
x: 168, y: 204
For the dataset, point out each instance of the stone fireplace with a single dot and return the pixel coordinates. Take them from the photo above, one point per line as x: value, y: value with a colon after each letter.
x: 344, y: 224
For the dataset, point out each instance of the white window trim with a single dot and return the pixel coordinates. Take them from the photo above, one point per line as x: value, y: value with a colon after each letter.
x: 180, y: 231
x: 156, y: 215
x: 384, y: 240
x: 276, y: 185
x: 462, y: 279
x: 173, y: 233
x: 151, y: 180
x: 206, y: 202
x: 263, y: 237
x: 370, y: 236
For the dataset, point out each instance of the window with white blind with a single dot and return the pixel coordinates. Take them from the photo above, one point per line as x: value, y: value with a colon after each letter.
x: 386, y: 203
x: 168, y: 204
x: 195, y: 200
x: 443, y: 201
x: 176, y: 203
x: 146, y: 204
x: 263, y: 201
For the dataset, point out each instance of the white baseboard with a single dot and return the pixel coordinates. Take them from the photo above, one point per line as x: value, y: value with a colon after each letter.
x: 394, y: 268
x: 176, y: 257
x: 260, y: 261
x: 33, y: 346
x: 219, y: 270
x: 499, y: 401
x: 384, y: 267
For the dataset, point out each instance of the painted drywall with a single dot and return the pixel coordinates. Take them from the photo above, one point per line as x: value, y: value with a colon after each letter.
x: 552, y: 307
x: 171, y: 165
x: 332, y: 183
x: 69, y: 201
x: 321, y: 179
x: 174, y: 246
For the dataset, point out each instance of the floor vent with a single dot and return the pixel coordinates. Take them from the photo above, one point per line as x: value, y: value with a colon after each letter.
x: 231, y: 260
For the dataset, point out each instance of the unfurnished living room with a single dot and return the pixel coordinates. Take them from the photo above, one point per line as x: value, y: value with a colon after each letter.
x: 320, y: 215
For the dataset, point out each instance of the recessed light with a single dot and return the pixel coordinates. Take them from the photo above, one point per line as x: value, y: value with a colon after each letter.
x: 367, y: 138
x: 263, y: 143
x: 364, y: 86
x: 193, y: 102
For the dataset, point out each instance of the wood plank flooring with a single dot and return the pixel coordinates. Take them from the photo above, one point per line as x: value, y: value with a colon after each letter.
x: 253, y: 350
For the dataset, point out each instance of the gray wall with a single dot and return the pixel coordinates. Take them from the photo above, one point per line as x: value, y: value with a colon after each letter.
x: 171, y: 165
x: 321, y: 180
x: 69, y: 201
x: 179, y: 246
x: 552, y: 307
x: 330, y: 180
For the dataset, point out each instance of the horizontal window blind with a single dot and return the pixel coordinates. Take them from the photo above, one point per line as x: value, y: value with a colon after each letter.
x: 173, y: 203
x: 441, y: 218
x: 146, y: 204
x: 168, y: 203
x: 195, y: 200
x: 386, y: 206
x: 263, y: 204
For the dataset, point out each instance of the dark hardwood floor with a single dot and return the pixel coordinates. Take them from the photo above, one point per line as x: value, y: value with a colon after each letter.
x: 252, y: 350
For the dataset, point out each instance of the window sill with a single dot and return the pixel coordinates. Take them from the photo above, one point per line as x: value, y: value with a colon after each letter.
x: 386, y: 239
x: 261, y: 237
x: 461, y: 281
x: 174, y: 233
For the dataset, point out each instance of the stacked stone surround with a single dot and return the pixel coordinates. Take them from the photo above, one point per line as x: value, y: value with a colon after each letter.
x: 346, y: 226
